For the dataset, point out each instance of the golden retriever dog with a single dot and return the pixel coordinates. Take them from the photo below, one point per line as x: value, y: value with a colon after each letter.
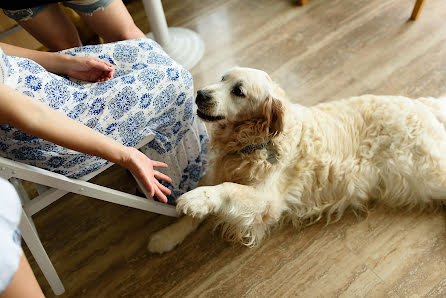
x: 273, y: 161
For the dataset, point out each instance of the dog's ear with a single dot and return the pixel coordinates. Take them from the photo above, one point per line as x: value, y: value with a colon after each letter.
x: 273, y: 111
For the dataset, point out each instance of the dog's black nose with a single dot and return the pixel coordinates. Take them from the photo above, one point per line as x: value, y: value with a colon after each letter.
x: 202, y: 96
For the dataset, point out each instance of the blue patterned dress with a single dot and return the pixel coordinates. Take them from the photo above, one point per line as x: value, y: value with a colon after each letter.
x: 150, y: 95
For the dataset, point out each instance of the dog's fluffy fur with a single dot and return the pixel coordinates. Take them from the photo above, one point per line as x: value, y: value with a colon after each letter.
x: 272, y: 160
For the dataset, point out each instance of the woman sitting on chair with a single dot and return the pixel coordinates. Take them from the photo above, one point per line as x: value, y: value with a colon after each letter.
x: 137, y: 92
x: 75, y: 111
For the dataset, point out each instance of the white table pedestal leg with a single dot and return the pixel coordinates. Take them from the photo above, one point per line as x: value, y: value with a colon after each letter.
x: 183, y: 45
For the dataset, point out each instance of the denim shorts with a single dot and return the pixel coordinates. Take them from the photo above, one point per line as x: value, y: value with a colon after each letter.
x: 82, y: 6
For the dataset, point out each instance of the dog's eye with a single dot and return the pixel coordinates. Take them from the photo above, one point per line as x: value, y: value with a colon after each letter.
x: 222, y: 78
x: 237, y: 91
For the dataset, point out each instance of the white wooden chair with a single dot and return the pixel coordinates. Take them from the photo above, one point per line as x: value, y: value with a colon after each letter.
x: 53, y: 186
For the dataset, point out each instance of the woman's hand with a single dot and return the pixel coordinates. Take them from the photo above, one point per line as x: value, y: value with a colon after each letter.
x: 142, y: 168
x: 89, y: 69
x: 82, y: 68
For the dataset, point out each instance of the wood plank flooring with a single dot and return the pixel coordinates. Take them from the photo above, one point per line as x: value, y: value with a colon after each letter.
x: 322, y: 51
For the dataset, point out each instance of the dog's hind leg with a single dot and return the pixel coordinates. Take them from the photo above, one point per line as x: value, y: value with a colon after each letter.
x: 166, y: 239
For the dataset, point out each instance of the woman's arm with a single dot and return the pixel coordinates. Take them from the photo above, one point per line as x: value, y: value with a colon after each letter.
x: 83, y: 68
x: 35, y: 118
x: 53, y: 62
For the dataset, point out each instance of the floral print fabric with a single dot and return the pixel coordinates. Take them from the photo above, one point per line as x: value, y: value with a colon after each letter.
x: 150, y: 94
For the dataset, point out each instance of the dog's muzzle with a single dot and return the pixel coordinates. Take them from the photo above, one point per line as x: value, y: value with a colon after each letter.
x: 203, y: 97
x: 204, y: 103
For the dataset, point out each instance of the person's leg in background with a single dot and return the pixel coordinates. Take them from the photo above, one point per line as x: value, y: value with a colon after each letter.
x: 49, y: 25
x: 109, y: 19
x: 16, y: 277
x: 24, y: 283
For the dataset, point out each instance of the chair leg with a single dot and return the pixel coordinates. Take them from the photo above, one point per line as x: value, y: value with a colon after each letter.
x: 23, y: 195
x: 417, y: 9
x: 38, y: 251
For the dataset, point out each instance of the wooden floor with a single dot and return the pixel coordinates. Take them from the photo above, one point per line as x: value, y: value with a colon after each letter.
x: 323, y: 51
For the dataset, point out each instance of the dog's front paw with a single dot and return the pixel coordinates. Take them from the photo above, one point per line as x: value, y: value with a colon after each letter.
x: 198, y: 202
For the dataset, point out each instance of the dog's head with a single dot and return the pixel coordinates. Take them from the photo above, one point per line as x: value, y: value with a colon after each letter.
x: 243, y: 94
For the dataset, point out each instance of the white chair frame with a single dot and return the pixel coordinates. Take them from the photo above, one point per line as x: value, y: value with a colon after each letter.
x: 51, y: 187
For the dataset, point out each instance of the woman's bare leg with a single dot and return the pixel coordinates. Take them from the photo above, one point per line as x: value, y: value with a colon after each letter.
x: 113, y: 23
x: 53, y: 29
